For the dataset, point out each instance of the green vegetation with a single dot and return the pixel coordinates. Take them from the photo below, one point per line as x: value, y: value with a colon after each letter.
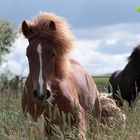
x: 15, y: 126
x: 7, y: 37
x: 101, y: 82
x: 138, y: 8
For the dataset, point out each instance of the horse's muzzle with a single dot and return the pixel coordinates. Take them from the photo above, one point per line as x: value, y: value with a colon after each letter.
x: 43, y: 97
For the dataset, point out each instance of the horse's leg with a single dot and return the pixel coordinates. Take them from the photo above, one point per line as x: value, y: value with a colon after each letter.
x: 81, y: 124
x: 24, y: 103
x: 97, y: 109
x: 130, y: 105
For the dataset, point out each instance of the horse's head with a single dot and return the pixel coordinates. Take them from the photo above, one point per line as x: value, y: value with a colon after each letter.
x: 135, y: 55
x: 50, y: 42
x: 134, y: 59
x: 41, y: 55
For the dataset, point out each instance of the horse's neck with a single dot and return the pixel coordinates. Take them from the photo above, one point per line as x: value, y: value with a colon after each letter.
x: 61, y: 67
x: 132, y: 69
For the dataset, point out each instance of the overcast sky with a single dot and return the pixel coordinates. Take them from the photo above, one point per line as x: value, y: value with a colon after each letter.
x: 106, y: 31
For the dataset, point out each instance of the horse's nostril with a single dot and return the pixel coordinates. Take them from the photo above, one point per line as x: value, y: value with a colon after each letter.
x: 42, y: 97
x: 35, y: 94
x: 48, y: 93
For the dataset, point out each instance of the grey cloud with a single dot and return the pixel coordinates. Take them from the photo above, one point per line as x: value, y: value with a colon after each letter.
x: 81, y: 13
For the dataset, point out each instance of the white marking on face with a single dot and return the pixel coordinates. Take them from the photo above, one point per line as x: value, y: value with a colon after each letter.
x: 40, y: 79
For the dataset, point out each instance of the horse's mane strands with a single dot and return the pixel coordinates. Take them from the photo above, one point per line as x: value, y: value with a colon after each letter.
x: 61, y: 37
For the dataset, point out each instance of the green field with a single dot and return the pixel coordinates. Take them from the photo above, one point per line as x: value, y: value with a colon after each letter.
x: 14, y: 126
x: 101, y: 82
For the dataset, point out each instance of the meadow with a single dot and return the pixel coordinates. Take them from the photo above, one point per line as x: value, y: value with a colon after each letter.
x: 101, y: 82
x: 15, y: 126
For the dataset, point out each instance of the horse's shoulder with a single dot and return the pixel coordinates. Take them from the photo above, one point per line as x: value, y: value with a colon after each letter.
x: 83, y: 79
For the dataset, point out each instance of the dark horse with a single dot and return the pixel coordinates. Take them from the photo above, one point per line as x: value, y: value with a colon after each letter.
x: 54, y: 79
x: 125, y: 84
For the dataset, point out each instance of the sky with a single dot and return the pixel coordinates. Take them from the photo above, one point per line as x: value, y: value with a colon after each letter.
x: 106, y: 31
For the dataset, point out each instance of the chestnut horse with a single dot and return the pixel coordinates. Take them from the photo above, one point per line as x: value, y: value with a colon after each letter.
x: 53, y: 77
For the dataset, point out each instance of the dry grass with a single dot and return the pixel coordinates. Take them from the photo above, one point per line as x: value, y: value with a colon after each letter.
x: 111, y: 114
x: 14, y: 126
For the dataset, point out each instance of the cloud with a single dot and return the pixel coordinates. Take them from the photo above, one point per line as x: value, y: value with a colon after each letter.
x: 112, y: 41
x: 81, y: 13
x: 14, y: 67
x: 16, y: 61
x: 107, y: 48
x: 84, y: 49
x: 96, y: 62
x: 106, y: 34
x: 99, y: 50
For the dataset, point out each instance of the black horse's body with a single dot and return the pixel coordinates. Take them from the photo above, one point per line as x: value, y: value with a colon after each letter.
x: 125, y: 84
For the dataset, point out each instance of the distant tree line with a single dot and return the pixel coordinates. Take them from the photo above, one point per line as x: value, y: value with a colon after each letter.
x: 7, y: 37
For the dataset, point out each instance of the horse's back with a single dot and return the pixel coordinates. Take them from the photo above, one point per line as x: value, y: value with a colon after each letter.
x: 88, y: 93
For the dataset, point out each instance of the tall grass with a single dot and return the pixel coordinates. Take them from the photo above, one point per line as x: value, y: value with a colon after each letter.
x: 14, y: 125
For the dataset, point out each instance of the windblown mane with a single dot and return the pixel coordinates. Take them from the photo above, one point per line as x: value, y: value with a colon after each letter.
x: 59, y: 35
x: 135, y: 54
x: 62, y: 38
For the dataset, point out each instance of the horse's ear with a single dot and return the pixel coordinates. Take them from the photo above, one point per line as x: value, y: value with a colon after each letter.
x: 25, y: 29
x: 52, y: 26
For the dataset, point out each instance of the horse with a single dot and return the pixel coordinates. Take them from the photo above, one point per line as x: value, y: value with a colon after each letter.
x: 125, y: 84
x: 54, y: 78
